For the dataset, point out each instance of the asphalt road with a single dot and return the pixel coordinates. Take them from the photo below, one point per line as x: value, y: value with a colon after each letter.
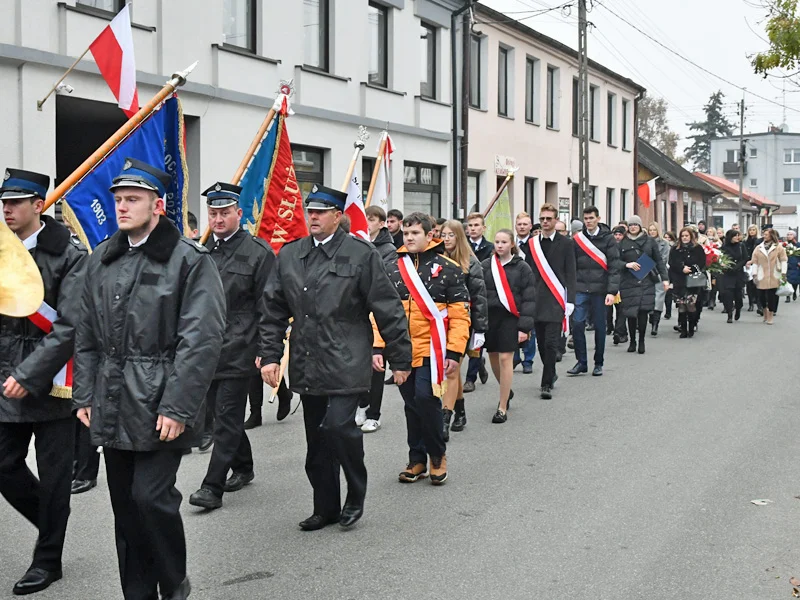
x: 634, y: 485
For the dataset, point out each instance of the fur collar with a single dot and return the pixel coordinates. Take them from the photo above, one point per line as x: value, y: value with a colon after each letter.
x: 54, y: 238
x: 159, y: 245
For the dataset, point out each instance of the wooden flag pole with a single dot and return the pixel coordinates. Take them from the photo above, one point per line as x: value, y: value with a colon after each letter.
x: 177, y: 80
x: 503, y: 186
x: 40, y: 103
x: 254, y: 145
x: 375, y: 171
x: 359, y: 145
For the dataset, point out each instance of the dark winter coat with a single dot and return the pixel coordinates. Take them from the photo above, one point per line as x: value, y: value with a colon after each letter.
x: 793, y: 270
x: 520, y: 280
x: 560, y: 253
x: 591, y: 278
x: 397, y: 238
x: 244, y: 264
x: 149, y: 338
x: 384, y: 244
x: 32, y: 357
x: 681, y: 256
x: 750, y: 244
x: 476, y: 286
x: 483, y: 250
x: 330, y: 291
x: 735, y: 277
x: 639, y: 296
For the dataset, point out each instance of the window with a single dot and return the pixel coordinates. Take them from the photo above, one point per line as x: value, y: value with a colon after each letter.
x: 423, y: 188
x: 475, y: 71
x: 473, y: 191
x: 791, y: 156
x: 113, y: 6
x: 308, y: 167
x: 791, y: 186
x: 623, y: 204
x: 315, y: 32
x: 753, y: 152
x: 753, y: 183
x: 531, y: 195
x: 610, y: 192
x: 552, y: 96
x: 686, y: 218
x: 367, y: 167
x: 427, y: 86
x: 594, y: 113
x: 576, y: 109
x: 612, y: 119
x: 378, y: 22
x: 625, y: 125
x: 239, y: 27
x: 502, y: 82
x: 531, y: 90
x: 731, y: 156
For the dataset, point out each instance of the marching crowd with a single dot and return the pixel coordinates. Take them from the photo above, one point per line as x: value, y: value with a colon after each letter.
x: 142, y: 319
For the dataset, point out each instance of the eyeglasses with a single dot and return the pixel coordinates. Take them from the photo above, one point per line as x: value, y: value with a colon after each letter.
x: 447, y: 236
x: 544, y: 219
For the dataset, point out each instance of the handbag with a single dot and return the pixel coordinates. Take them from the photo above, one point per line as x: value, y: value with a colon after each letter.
x: 696, y: 280
x: 785, y: 290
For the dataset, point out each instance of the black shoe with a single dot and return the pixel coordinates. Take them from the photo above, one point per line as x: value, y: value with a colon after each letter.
x: 206, y: 442
x: 623, y: 339
x: 546, y: 392
x: 609, y: 329
x: 641, y: 345
x: 616, y: 339
x: 712, y: 306
x: 253, y: 421
x: 82, y: 485
x: 578, y: 369
x: 590, y: 327
x: 684, y: 335
x: 284, y: 404
x: 750, y: 308
x: 597, y: 371
x: 677, y: 327
x: 737, y: 314
x: 36, y: 580
x: 205, y: 498
x: 760, y: 312
x: 182, y: 593
x: 667, y: 316
x: 350, y: 514
x: 315, y: 522
x: 570, y: 343
x: 459, y: 421
x: 238, y: 480
x: 446, y: 416
x: 787, y: 301
x: 469, y: 386
x: 553, y: 383
x: 632, y: 346
x: 559, y: 356
x: 527, y: 369
x: 730, y: 318
x: 483, y: 374
x: 499, y: 417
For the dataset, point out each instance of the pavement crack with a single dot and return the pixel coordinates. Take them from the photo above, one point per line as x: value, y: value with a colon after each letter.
x: 249, y: 577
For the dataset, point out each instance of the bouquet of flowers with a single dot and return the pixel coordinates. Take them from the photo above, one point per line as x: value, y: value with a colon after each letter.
x: 791, y: 249
x: 716, y: 261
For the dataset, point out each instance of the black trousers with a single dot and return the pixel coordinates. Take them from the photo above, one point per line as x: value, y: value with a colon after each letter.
x: 548, y: 340
x: 373, y: 399
x: 668, y: 303
x: 769, y: 299
x: 333, y: 442
x: 151, y: 545
x: 87, y: 459
x: 231, y: 446
x: 255, y: 392
x: 732, y: 299
x: 423, y: 416
x: 44, y: 501
x: 637, y: 324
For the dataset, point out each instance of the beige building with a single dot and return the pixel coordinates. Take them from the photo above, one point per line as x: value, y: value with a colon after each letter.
x: 523, y: 98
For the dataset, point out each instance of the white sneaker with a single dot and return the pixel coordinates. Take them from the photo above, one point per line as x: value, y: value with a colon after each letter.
x: 361, y: 416
x: 370, y: 426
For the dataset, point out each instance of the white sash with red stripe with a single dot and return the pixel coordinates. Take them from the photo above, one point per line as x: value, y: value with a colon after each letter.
x: 591, y: 250
x: 502, y: 287
x: 549, y: 276
x: 436, y: 317
x: 43, y: 318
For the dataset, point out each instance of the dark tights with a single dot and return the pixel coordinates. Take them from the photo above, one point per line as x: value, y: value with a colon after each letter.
x: 639, y: 322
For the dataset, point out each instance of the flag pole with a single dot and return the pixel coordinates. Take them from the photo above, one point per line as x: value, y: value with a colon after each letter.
x: 40, y: 103
x: 503, y: 186
x: 177, y: 80
x: 376, y: 170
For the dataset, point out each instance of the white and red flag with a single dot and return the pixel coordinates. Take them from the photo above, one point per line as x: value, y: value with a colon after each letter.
x: 44, y: 318
x: 354, y: 208
x: 113, y: 53
x: 380, y: 194
x: 647, y: 192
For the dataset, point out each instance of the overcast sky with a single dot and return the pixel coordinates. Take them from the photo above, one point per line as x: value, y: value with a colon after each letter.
x: 718, y: 35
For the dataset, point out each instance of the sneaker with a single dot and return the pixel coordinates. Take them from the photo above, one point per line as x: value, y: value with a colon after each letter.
x: 459, y: 421
x: 438, y: 470
x: 527, y: 368
x: 546, y: 393
x: 371, y: 426
x: 361, y: 416
x: 413, y: 472
x: 469, y: 386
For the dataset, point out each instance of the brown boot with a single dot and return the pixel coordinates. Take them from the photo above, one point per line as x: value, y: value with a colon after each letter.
x: 438, y: 470
x: 413, y: 472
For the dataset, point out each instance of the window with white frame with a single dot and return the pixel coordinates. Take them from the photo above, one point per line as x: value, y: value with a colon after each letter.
x: 610, y: 197
x: 594, y: 113
x: 791, y: 156
x: 753, y: 152
x: 731, y: 156
x: 315, y: 32
x: 532, y: 90
x: 553, y: 82
x: 753, y: 183
x: 531, y: 195
x: 475, y: 72
x: 626, y: 118
x: 791, y: 186
x: 576, y: 106
x: 378, y: 23
x: 428, y: 37
x: 611, y: 119
x: 502, y: 81
x: 473, y: 191
x: 239, y: 23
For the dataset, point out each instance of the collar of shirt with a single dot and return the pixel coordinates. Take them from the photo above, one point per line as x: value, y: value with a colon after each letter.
x: 139, y: 243
x: 216, y: 238
x: 593, y: 233
x: 550, y: 237
x: 30, y: 241
x: 476, y: 242
x: 317, y: 243
x: 523, y: 240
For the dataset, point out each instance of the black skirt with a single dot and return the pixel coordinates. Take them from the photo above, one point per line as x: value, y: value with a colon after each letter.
x: 503, y: 332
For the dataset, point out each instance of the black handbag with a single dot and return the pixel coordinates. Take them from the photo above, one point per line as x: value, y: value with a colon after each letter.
x: 696, y: 280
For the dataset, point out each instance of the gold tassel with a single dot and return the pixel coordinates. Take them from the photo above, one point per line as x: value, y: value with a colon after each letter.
x: 440, y: 390
x: 61, y: 391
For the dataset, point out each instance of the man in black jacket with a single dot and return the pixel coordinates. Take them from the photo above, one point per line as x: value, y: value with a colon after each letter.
x: 244, y: 264
x: 394, y: 222
x: 554, y: 264
x: 153, y: 316
x: 329, y: 283
x: 598, y: 269
x: 33, y: 364
x: 527, y: 352
x: 483, y: 249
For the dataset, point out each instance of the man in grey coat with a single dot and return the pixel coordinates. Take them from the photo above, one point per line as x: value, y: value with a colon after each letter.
x: 34, y: 398
x: 153, y: 315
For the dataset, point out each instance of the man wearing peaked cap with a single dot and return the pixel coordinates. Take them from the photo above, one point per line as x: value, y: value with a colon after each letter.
x: 325, y: 198
x: 157, y: 317
x: 244, y: 263
x: 34, y: 399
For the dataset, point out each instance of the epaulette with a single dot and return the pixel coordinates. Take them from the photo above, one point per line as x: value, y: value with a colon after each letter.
x: 362, y: 240
x: 261, y: 242
x: 198, y: 247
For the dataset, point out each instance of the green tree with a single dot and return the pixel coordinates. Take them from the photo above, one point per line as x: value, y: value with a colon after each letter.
x: 715, y: 125
x: 783, y: 32
x: 654, y: 127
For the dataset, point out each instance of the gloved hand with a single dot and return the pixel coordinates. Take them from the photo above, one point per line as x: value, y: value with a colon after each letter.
x: 570, y: 309
x: 477, y: 341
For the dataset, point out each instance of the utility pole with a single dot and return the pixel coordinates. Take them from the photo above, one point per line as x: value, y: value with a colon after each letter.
x: 583, y: 110
x: 741, y: 159
x: 457, y: 201
x: 466, y: 66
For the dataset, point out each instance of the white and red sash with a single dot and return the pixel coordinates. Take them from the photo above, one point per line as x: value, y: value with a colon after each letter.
x: 549, y: 276
x: 43, y: 318
x: 502, y: 287
x: 591, y: 250
x: 437, y: 319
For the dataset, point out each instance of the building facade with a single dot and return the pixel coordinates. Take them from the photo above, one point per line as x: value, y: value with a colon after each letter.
x: 377, y: 63
x: 524, y: 112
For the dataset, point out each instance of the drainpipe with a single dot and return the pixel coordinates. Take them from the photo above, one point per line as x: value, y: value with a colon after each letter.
x: 454, y: 100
